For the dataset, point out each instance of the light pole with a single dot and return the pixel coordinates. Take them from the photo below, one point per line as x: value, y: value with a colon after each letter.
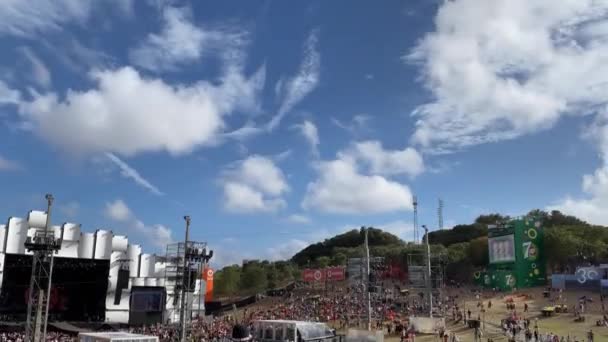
x: 184, y: 291
x: 369, y: 301
x: 428, y: 261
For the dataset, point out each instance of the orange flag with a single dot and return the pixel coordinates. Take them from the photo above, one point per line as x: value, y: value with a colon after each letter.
x: 208, y: 277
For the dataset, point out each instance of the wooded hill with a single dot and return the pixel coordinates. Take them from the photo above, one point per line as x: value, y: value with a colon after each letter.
x: 464, y: 248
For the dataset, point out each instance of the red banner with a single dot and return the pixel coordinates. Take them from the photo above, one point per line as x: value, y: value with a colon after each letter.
x: 335, y: 273
x: 329, y: 274
x: 208, y: 278
x: 313, y: 275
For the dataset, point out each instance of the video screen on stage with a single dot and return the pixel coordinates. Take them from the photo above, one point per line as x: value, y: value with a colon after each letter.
x: 501, y: 249
x: 146, y: 301
x: 78, y: 291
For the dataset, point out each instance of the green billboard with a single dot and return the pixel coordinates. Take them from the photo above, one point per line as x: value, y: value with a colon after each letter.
x: 529, y: 248
x: 516, y: 254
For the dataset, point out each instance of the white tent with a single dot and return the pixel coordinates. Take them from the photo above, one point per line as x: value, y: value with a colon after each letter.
x: 115, y: 337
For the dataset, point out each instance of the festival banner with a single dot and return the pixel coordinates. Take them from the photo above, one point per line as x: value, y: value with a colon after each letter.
x: 335, y: 273
x: 325, y: 274
x: 312, y: 274
x: 208, y: 278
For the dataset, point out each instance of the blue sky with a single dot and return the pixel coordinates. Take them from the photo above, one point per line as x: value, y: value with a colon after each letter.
x: 275, y: 124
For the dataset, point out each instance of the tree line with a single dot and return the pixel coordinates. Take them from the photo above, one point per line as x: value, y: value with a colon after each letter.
x: 569, y: 241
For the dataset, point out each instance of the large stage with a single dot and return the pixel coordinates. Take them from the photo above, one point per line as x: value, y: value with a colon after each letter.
x: 78, y: 291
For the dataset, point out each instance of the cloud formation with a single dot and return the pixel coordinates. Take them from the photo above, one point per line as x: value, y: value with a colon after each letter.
x: 181, y: 42
x: 501, y: 69
x: 341, y: 188
x: 311, y: 134
x: 255, y: 184
x: 387, y: 162
x: 8, y: 95
x: 157, y: 235
x: 30, y: 18
x: 303, y: 83
x: 40, y: 73
x: 173, y: 118
x: 592, y: 207
x: 118, y: 211
x: 130, y: 173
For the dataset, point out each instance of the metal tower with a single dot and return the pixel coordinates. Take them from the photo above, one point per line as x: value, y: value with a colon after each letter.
x: 415, y: 203
x: 184, y: 262
x: 440, y: 214
x: 43, y: 245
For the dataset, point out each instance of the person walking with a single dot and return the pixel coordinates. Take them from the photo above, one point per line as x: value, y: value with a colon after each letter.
x: 590, y: 336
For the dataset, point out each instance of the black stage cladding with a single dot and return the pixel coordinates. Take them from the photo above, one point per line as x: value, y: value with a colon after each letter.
x: 147, y: 305
x: 78, y: 291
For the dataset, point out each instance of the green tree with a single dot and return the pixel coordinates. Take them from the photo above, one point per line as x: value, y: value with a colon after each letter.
x: 226, y: 281
x: 272, y: 276
x: 339, y: 259
x: 458, y: 252
x: 253, y: 278
x: 322, y: 261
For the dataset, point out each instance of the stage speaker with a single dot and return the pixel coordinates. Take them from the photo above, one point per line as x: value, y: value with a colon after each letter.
x: 121, y: 283
x: 192, y: 280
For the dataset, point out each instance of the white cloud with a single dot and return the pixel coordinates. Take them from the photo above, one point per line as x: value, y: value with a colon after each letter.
x: 340, y: 188
x: 27, y: 18
x: 173, y: 118
x: 8, y: 95
x: 402, y: 229
x: 40, y: 73
x: 387, y: 162
x: 157, y: 235
x: 303, y: 83
x: 255, y: 184
x: 286, y: 250
x: 290, y: 91
x: 592, y: 208
x: 118, y: 211
x: 357, y: 124
x: 501, y: 69
x: 245, y: 199
x: 297, y: 218
x: 34, y: 17
x: 311, y: 134
x: 181, y: 42
x: 9, y: 165
x: 130, y: 173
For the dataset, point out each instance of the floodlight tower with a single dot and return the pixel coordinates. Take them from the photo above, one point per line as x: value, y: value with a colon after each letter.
x: 188, y: 257
x: 429, y: 282
x: 440, y: 214
x: 43, y: 245
x: 185, y: 282
x: 415, y: 204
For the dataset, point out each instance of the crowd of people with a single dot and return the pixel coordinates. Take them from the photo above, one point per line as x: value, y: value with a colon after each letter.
x: 50, y: 337
x: 346, y: 307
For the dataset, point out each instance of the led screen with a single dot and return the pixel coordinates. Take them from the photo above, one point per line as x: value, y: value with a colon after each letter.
x: 502, y: 249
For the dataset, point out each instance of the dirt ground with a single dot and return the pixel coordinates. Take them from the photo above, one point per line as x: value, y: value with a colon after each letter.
x: 561, y: 324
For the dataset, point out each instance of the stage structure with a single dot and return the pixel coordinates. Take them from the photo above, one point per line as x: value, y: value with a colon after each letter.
x: 43, y: 245
x: 425, y: 272
x: 94, y: 275
x: 184, y: 278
